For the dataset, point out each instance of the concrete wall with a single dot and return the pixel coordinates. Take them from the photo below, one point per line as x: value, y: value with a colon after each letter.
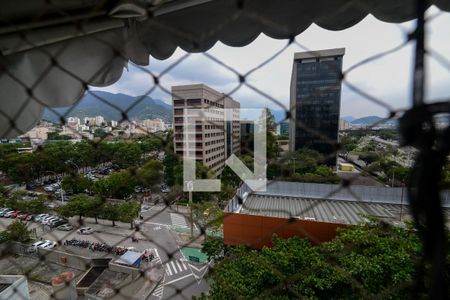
x: 257, y: 231
x: 18, y: 288
x: 66, y: 259
x: 134, y: 272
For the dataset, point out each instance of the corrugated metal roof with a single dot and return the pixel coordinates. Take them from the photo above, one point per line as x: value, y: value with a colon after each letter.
x: 331, y: 211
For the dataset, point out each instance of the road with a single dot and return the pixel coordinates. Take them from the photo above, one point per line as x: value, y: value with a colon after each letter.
x: 182, y: 279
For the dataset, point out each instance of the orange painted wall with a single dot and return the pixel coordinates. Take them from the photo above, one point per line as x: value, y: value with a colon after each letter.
x: 257, y: 231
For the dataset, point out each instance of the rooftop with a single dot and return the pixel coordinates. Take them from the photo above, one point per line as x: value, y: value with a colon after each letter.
x: 325, y: 202
x: 330, y: 211
x: 320, y: 53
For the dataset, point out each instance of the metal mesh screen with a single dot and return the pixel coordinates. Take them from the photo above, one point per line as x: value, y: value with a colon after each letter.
x: 416, y: 129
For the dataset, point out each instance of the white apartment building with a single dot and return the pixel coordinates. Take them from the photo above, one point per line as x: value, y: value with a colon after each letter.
x: 99, y: 120
x: 214, y: 139
x: 73, y: 121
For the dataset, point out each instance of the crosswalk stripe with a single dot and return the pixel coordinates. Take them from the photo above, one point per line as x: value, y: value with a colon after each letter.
x: 158, y: 292
x: 178, y: 265
x: 175, y: 266
x: 168, y: 271
x: 178, y: 220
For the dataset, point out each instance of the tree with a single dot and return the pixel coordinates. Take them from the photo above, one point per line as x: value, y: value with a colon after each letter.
x: 80, y: 205
x: 369, y: 157
x: 213, y: 247
x: 36, y: 206
x: 100, y: 133
x: 129, y: 211
x: 56, y: 136
x: 208, y: 214
x: 118, y: 185
x: 18, y: 231
x: 370, y: 260
x: 111, y: 212
x: 126, y: 154
x: 150, y: 173
x: 76, y: 183
x: 170, y: 162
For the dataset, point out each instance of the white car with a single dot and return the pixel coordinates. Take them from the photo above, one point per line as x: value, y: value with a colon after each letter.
x: 85, y: 230
x: 65, y: 227
x: 48, y: 244
x: 8, y: 214
x: 47, y: 221
x: 49, y: 188
x: 36, y: 245
x: 39, y: 218
x: 4, y: 211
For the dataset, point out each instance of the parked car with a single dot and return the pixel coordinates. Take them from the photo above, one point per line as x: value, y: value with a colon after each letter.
x: 4, y: 210
x: 39, y: 218
x: 49, y: 188
x: 48, y: 244
x: 30, y: 186
x: 49, y: 220
x: 23, y: 216
x: 65, y: 227
x: 56, y: 223
x: 85, y: 230
x: 9, y: 213
x: 31, y: 217
x: 36, y: 245
x: 45, y: 218
x: 165, y: 189
x: 32, y: 194
x: 51, y: 205
x: 15, y: 214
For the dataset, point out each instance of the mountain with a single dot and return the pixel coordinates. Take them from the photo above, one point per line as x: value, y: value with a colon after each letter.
x: 366, y: 120
x: 348, y: 118
x: 91, y: 105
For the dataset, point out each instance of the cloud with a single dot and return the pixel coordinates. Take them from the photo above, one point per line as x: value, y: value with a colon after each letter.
x: 388, y: 78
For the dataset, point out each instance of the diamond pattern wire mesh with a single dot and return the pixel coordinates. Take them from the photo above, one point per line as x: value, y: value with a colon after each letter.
x: 241, y: 81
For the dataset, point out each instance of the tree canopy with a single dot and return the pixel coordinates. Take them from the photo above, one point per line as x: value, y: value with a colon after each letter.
x: 372, y: 260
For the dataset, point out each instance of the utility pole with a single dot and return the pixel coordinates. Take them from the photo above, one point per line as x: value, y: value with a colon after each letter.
x: 401, y: 202
x: 191, y: 216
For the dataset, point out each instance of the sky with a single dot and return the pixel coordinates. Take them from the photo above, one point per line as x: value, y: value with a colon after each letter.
x: 388, y: 78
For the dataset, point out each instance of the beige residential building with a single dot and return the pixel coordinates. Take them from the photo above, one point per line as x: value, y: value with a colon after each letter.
x: 154, y: 125
x: 39, y: 133
x: 344, y: 125
x: 214, y: 139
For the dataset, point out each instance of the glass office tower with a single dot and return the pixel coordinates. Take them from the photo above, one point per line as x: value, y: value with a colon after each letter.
x: 315, y: 102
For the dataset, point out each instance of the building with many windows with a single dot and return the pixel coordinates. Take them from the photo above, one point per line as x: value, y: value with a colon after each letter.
x: 217, y: 131
x: 316, y: 99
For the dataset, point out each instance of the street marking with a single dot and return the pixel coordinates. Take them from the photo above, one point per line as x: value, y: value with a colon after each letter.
x: 158, y: 292
x: 178, y: 279
x: 169, y: 272
x: 199, y: 270
x: 153, y: 223
x: 179, y: 266
x: 157, y: 228
x: 175, y: 266
x: 178, y: 220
